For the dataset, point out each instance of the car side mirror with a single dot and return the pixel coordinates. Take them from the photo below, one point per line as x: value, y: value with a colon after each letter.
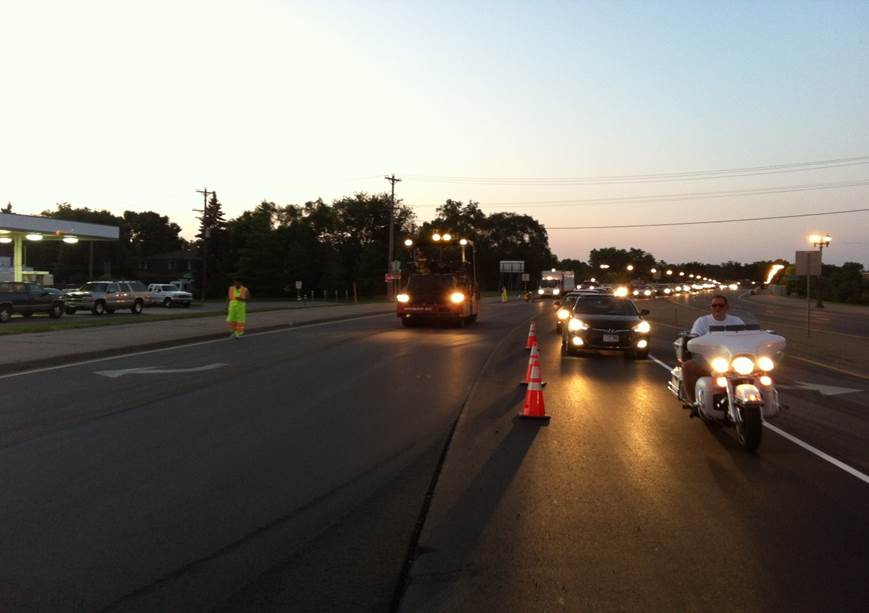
x: 644, y: 312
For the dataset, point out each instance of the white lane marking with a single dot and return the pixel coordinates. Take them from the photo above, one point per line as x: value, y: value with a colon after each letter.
x: 850, y: 373
x: 196, y: 344
x: 659, y: 362
x: 825, y: 390
x: 153, y: 370
x: 837, y: 463
x: 819, y: 453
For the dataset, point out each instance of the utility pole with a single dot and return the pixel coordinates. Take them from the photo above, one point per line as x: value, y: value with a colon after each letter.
x: 389, y: 286
x: 205, y: 232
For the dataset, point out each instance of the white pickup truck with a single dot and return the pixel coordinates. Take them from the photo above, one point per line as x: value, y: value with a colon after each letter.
x: 169, y: 295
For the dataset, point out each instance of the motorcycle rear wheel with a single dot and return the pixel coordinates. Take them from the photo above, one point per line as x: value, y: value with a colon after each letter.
x: 750, y: 432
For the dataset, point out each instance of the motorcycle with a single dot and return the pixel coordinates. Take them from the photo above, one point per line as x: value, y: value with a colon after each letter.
x: 740, y: 392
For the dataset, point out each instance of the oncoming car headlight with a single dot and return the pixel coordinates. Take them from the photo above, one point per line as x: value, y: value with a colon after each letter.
x: 563, y: 314
x: 743, y: 365
x: 403, y: 298
x: 540, y: 291
x: 620, y: 292
x: 575, y: 325
x: 765, y: 363
x: 720, y: 365
x: 643, y: 327
x: 457, y: 297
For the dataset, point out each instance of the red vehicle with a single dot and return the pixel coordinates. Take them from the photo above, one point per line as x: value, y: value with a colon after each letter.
x: 441, y: 288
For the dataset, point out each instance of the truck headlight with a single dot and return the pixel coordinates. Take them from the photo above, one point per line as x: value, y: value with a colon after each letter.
x: 765, y: 363
x: 457, y: 297
x: 563, y: 314
x: 403, y: 298
x: 540, y: 291
x: 575, y: 325
x: 743, y: 365
x: 643, y: 327
x: 556, y: 291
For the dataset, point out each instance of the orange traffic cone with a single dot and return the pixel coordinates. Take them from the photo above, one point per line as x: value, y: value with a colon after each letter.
x: 534, y: 357
x: 533, y: 407
x: 532, y: 336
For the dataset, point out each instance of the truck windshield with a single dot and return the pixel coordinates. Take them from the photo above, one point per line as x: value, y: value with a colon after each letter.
x: 550, y: 283
x: 430, y: 286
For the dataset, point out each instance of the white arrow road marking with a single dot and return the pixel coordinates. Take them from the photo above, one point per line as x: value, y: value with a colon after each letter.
x: 154, y: 370
x: 825, y: 390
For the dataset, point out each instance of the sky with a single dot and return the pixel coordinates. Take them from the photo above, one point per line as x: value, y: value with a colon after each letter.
x: 136, y: 105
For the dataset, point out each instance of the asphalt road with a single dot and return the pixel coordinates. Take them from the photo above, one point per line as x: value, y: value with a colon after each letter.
x: 290, y: 471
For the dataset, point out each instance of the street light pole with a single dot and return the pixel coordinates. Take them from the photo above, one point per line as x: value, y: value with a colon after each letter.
x: 820, y: 242
x: 389, y: 286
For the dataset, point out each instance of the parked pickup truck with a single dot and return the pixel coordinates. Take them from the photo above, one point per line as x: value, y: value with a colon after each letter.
x: 27, y: 299
x: 168, y: 295
x: 100, y: 297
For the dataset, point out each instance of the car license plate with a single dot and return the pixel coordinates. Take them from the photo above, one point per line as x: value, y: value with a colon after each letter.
x: 610, y: 338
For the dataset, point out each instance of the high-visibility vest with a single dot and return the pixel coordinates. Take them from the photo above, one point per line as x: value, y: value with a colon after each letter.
x: 238, y: 292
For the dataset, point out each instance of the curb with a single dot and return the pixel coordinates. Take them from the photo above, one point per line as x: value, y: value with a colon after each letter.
x: 16, y: 367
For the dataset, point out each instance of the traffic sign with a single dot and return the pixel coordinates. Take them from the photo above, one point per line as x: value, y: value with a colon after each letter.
x: 808, y: 263
x: 298, y: 285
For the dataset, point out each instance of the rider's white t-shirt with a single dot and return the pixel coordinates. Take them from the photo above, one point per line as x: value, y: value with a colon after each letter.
x: 701, y: 326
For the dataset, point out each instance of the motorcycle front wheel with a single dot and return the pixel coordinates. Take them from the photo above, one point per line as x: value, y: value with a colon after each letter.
x: 750, y: 431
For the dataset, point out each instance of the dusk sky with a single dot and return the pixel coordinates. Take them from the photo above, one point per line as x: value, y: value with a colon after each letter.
x: 135, y: 105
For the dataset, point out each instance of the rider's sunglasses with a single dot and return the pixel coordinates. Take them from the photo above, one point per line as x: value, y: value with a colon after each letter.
x: 718, y: 305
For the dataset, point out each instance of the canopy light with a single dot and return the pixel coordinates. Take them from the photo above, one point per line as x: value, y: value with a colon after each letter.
x: 5, y: 240
x: 4, y: 232
x: 70, y: 240
x: 408, y: 242
x: 34, y: 237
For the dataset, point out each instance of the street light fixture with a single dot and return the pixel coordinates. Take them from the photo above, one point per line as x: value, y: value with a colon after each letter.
x: 630, y: 266
x: 820, y: 242
x: 604, y: 266
x: 408, y: 242
x: 669, y: 272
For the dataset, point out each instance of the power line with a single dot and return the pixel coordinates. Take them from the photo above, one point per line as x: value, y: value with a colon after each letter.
x: 667, y: 197
x: 713, y: 221
x: 649, y: 177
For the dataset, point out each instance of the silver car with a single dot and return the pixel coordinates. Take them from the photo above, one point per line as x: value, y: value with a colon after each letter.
x: 101, y: 297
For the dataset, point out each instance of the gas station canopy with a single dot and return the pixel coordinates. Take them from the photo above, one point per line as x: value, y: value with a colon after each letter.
x: 16, y: 229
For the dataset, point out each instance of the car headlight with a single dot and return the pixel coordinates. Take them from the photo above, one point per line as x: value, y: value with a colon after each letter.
x: 540, y: 291
x: 620, y: 292
x: 720, y: 365
x: 667, y: 290
x: 765, y: 363
x: 457, y: 297
x: 643, y: 327
x: 556, y: 291
x: 743, y: 365
x: 575, y: 325
x: 403, y: 298
x: 563, y: 314
x: 647, y: 292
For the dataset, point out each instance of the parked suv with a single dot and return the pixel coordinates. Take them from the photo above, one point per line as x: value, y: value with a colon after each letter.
x: 100, y: 297
x: 168, y: 295
x: 27, y: 299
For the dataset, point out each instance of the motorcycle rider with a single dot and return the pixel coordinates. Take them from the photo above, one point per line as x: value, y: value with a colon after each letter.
x: 695, y: 368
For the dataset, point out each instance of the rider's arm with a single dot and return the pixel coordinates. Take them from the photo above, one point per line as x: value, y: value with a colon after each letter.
x: 699, y: 328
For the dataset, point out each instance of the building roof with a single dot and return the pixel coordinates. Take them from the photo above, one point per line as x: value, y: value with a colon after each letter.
x: 56, y: 229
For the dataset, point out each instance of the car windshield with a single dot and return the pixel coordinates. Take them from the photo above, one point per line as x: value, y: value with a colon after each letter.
x: 93, y: 287
x: 604, y: 305
x: 170, y: 288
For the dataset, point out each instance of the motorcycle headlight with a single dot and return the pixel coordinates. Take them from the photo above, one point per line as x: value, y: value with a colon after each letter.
x: 743, y: 365
x: 720, y: 365
x: 643, y: 327
x: 563, y: 314
x: 457, y: 297
x: 403, y: 298
x: 540, y: 291
x: 556, y: 291
x: 575, y: 325
x: 765, y: 363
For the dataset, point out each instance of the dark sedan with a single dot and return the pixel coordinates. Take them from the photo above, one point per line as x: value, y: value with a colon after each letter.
x: 606, y: 322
